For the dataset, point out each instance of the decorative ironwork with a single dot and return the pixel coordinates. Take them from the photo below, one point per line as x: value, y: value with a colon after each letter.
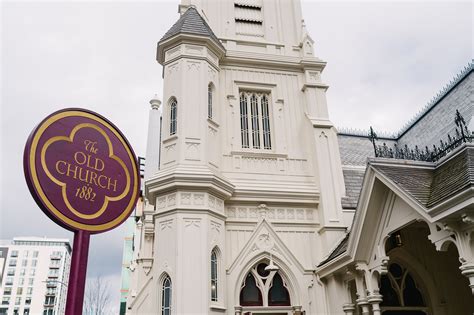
x: 427, y: 154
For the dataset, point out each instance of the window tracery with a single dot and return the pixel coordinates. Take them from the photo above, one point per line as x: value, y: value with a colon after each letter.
x: 401, y: 295
x: 263, y: 287
x: 255, y: 120
x: 166, y: 296
x: 173, y: 116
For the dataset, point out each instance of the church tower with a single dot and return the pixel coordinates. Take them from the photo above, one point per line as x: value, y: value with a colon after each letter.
x: 246, y: 200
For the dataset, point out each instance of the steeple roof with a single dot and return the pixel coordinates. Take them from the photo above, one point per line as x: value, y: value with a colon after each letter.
x: 191, y: 22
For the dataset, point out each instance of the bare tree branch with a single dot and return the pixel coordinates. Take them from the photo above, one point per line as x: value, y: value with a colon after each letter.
x: 97, y: 297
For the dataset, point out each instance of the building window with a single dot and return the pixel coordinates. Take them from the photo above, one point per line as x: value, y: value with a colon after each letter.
x: 31, y: 281
x: 32, y: 272
x: 173, y: 116
x: 14, y: 253
x: 210, y: 92
x: 18, y: 301
x: 22, y: 271
x: 254, y: 288
x: 400, y: 291
x: 255, y: 120
x: 29, y: 291
x: 5, y: 300
x: 35, y: 254
x: 24, y: 263
x: 33, y: 263
x: 166, y: 296
x: 26, y: 311
x: 9, y: 281
x: 7, y: 291
x: 19, y: 291
x: 11, y: 272
x: 214, y: 276
x: 28, y: 300
x: 12, y: 263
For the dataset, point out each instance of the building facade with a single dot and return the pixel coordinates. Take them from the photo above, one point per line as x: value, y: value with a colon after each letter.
x: 35, y: 276
x: 250, y: 191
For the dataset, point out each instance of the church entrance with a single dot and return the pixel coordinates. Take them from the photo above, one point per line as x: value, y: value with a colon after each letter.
x: 421, y: 280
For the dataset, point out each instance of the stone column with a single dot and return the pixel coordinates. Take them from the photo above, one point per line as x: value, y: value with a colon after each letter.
x: 361, y: 294
x: 348, y: 308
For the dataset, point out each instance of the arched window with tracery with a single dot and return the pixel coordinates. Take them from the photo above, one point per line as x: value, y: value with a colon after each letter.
x: 401, y: 294
x: 166, y: 296
x: 173, y: 104
x: 263, y: 287
x: 214, y: 275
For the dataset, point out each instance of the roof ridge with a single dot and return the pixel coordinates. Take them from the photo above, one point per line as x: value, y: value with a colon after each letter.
x: 430, y: 105
x: 435, y: 99
x: 365, y: 133
x: 191, y: 22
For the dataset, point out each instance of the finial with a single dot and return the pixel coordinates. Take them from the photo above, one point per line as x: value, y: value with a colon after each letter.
x: 155, y: 102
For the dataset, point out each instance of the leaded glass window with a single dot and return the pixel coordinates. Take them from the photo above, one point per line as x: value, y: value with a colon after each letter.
x: 209, y: 100
x: 214, y: 277
x: 173, y: 116
x: 255, y: 126
x: 166, y: 296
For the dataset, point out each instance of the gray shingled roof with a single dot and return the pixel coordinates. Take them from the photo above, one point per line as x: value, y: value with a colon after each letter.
x: 191, y: 22
x: 353, y: 179
x: 339, y: 250
x: 432, y: 186
x: 428, y: 186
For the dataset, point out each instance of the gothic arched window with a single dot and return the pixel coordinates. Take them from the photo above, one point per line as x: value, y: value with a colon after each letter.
x: 210, y: 92
x: 173, y: 116
x: 214, y: 276
x: 166, y: 296
x: 400, y: 293
x: 255, y: 120
x: 263, y: 287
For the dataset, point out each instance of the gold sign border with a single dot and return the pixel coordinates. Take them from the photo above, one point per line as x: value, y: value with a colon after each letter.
x: 63, y: 185
x: 44, y: 198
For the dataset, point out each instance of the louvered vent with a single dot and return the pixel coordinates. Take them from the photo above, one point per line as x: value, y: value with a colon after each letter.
x: 248, y: 17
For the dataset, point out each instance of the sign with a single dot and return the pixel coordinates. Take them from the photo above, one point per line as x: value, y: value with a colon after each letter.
x: 81, y: 171
x: 83, y: 174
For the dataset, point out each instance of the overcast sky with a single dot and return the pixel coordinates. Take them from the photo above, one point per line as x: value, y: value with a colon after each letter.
x: 386, y: 60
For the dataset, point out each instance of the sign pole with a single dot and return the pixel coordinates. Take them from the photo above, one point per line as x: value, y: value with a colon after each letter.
x: 77, y: 274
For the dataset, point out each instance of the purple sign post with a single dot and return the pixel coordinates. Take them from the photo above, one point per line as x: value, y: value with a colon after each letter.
x: 83, y: 174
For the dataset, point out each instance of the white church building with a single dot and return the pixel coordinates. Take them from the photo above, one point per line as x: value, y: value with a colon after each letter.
x: 253, y: 202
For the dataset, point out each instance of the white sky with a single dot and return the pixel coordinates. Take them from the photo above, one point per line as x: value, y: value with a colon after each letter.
x: 386, y: 60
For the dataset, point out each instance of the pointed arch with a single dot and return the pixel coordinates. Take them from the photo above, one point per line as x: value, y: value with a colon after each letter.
x: 215, y: 274
x: 284, y: 271
x: 173, y: 115
x: 210, y: 100
x: 165, y: 297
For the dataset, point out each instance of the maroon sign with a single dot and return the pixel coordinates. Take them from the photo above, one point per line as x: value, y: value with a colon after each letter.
x: 81, y: 171
x: 83, y: 174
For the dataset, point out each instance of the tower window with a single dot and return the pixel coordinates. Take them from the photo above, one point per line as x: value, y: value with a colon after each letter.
x: 173, y: 116
x: 258, y: 123
x: 214, y: 276
x: 166, y: 296
x: 209, y: 100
